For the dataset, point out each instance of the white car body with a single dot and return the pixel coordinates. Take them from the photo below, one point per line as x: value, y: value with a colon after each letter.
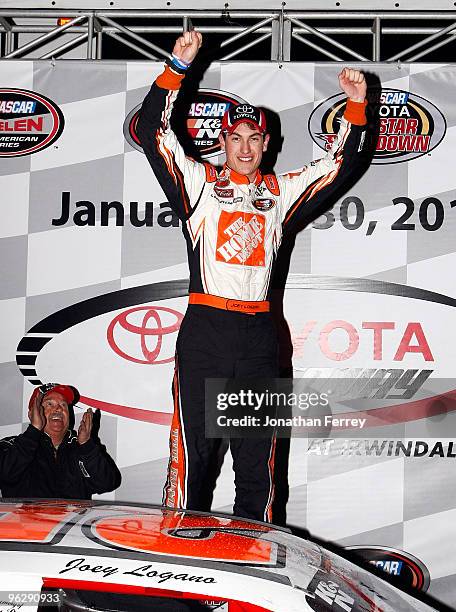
x: 146, y: 550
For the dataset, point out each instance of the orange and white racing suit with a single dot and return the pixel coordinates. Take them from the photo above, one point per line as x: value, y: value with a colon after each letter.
x: 233, y: 229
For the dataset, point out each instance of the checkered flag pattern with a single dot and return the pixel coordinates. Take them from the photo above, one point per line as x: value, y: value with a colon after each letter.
x: 57, y: 263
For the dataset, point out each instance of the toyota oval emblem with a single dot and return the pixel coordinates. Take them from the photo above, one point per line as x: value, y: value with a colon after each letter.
x: 136, y: 321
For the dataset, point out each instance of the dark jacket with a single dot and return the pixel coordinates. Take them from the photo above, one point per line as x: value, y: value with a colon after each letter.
x: 30, y: 466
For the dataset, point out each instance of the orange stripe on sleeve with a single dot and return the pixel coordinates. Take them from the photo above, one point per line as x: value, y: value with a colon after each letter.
x: 182, y: 189
x: 169, y: 79
x: 303, y: 197
x: 325, y: 180
x: 355, y: 112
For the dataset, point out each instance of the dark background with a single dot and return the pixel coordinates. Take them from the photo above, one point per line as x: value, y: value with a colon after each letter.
x: 391, y: 43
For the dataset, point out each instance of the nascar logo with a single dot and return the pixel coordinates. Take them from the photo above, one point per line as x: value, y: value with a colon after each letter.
x: 29, y: 122
x: 408, y: 570
x: 203, y: 122
x: 17, y: 106
x: 404, y: 125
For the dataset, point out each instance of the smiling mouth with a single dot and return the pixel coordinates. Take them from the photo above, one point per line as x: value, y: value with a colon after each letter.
x: 56, y: 417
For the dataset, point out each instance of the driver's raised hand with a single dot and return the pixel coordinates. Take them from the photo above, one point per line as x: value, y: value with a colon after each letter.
x: 187, y: 46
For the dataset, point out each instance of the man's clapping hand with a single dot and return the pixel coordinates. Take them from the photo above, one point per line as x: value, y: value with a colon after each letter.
x: 85, y: 427
x: 35, y: 410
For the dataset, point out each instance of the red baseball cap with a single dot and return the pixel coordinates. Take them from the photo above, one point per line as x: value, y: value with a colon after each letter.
x: 71, y: 394
x: 242, y: 113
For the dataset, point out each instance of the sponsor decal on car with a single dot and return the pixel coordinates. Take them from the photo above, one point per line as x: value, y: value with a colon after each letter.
x: 220, y: 606
x: 324, y: 594
x: 29, y: 122
x: 408, y: 570
x: 157, y: 531
x: 406, y: 126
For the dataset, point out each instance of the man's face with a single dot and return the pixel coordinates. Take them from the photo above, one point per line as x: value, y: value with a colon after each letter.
x: 244, y: 148
x: 55, y: 409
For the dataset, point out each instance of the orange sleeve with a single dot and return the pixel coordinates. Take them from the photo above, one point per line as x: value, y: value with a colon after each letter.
x: 355, y: 112
x: 169, y: 79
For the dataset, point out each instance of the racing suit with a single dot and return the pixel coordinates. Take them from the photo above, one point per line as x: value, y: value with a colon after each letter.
x: 233, y: 229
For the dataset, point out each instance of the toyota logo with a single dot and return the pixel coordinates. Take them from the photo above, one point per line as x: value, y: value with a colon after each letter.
x: 146, y: 325
x: 244, y: 108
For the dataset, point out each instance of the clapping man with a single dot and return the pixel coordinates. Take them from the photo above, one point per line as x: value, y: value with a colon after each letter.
x: 51, y: 460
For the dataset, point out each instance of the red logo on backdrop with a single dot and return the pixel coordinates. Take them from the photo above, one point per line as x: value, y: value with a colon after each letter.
x: 29, y: 122
x: 147, y: 327
x: 140, y: 334
x: 409, y: 126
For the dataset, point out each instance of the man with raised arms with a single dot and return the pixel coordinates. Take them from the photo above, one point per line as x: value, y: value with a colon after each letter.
x: 233, y: 222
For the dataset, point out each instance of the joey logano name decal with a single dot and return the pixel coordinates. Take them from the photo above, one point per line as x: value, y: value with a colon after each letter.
x: 203, y: 123
x: 405, y: 125
x: 29, y: 122
x: 155, y: 572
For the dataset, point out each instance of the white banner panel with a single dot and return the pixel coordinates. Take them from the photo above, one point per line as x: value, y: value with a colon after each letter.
x: 94, y: 282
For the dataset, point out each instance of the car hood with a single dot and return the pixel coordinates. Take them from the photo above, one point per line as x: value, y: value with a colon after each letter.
x: 115, y: 545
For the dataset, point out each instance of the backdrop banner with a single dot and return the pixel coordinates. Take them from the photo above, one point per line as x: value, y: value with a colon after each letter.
x: 93, y: 285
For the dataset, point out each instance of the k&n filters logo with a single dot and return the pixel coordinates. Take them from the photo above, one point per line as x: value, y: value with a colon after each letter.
x: 204, y: 121
x: 29, y: 122
x: 407, y: 125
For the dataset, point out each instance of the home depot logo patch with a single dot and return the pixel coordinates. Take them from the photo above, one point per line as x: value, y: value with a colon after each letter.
x: 240, y: 238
